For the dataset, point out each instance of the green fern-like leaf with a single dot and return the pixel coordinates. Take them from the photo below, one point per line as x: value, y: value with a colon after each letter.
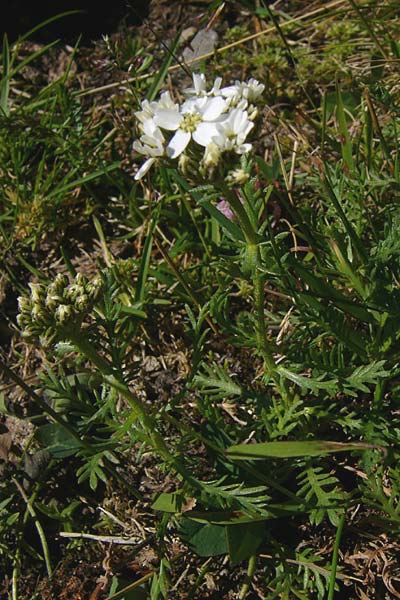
x: 321, y: 494
x: 385, y: 497
x: 365, y: 375
x: 250, y: 500
x: 217, y: 383
x: 314, y: 384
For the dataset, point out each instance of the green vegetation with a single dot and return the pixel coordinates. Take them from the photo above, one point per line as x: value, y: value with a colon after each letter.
x: 193, y: 406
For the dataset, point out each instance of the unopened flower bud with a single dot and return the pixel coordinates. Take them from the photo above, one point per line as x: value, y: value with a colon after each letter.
x: 22, y: 321
x: 82, y: 303
x: 237, y: 177
x: 36, y: 312
x: 51, y: 303
x: 183, y: 162
x: 37, y: 292
x: 61, y: 279
x: 81, y: 280
x: 73, y: 291
x: 64, y: 312
x: 225, y: 208
x: 252, y: 111
x: 24, y: 304
x: 212, y: 155
x: 93, y: 288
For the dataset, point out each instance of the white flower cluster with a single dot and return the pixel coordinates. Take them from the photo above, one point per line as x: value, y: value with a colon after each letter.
x: 214, y: 121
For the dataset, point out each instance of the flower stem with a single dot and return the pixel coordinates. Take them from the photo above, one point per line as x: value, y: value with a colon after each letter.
x: 258, y: 283
x: 249, y: 232
x: 335, y: 556
x: 254, y: 263
x: 249, y: 576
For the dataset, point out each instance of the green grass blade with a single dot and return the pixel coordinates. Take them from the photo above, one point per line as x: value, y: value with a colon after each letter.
x: 347, y: 146
x: 5, y: 80
x: 291, y: 449
x: 29, y: 59
x: 357, y: 242
x: 83, y: 180
x: 335, y: 557
x: 368, y: 134
x: 144, y: 265
x: 162, y: 73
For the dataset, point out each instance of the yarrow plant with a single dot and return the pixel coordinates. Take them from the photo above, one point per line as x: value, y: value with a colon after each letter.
x: 50, y: 310
x: 200, y: 130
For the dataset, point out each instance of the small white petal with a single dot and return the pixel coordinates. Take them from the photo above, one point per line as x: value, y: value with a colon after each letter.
x: 229, y: 91
x: 165, y: 102
x: 215, y: 90
x: 144, y: 168
x: 178, y: 143
x: 138, y: 147
x: 168, y: 119
x: 204, y: 133
x: 248, y: 128
x: 146, y: 112
x: 199, y: 82
x: 213, y: 108
x: 219, y: 140
x: 149, y: 127
x: 239, y: 119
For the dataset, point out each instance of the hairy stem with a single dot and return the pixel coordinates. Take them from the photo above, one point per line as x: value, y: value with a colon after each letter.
x: 254, y: 263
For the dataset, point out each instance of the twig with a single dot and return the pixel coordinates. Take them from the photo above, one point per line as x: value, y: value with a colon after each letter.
x: 107, y: 539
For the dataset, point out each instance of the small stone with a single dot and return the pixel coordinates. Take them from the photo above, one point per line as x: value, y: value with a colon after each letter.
x: 203, y: 42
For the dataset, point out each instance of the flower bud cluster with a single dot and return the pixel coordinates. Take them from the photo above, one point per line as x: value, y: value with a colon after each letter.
x: 207, y: 124
x: 49, y: 309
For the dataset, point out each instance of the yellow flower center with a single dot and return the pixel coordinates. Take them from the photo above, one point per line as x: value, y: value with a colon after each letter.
x: 190, y: 122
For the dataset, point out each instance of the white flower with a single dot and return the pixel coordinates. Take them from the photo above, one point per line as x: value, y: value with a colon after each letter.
x: 151, y: 144
x: 146, y: 112
x: 252, y: 90
x: 219, y: 120
x: 233, y: 131
x: 195, y: 120
x: 200, y: 89
x: 165, y: 101
x: 253, y: 112
x: 243, y: 92
x: 149, y: 109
